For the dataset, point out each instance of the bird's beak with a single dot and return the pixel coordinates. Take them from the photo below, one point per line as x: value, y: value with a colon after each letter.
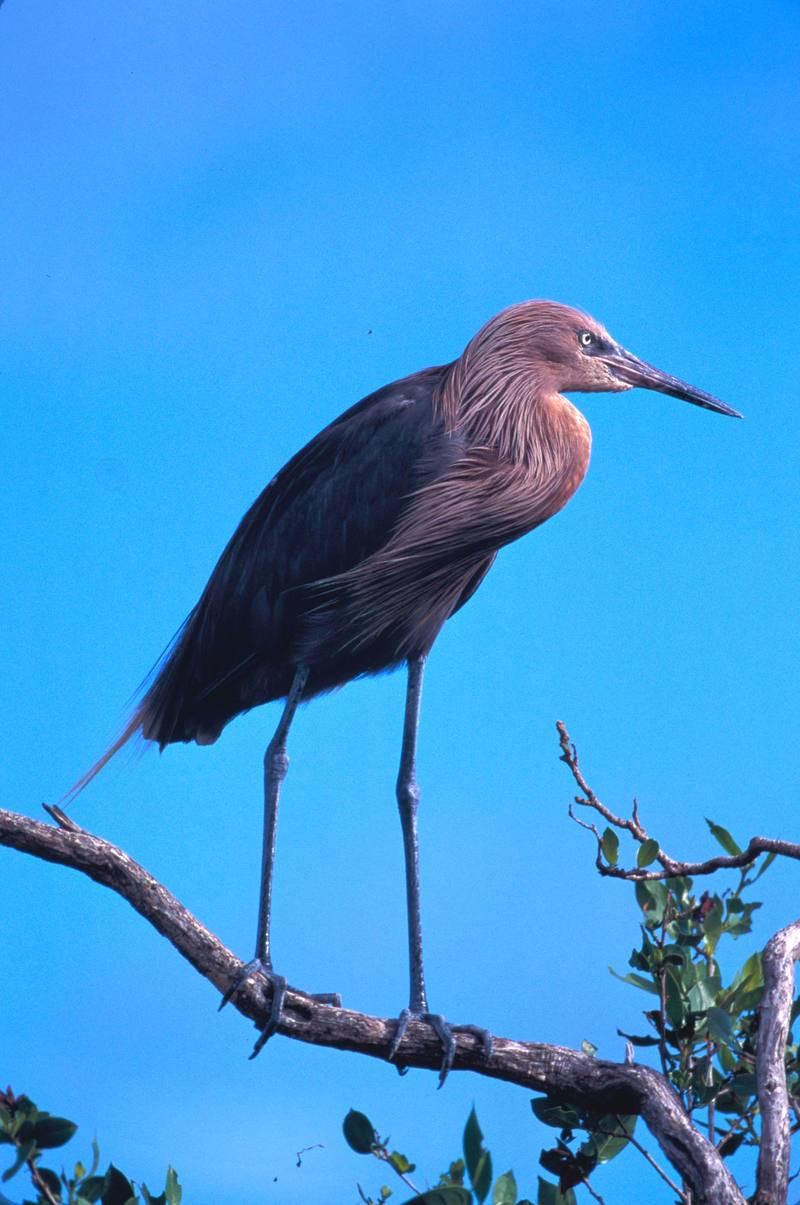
x: 633, y: 371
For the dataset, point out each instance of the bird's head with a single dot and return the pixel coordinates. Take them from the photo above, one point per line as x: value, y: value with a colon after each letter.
x: 569, y: 351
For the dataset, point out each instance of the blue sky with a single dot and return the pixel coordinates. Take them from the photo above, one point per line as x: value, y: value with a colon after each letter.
x: 221, y: 226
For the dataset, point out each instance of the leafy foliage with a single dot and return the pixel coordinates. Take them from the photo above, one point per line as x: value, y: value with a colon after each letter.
x: 704, y: 1028
x: 701, y: 1027
x: 30, y: 1132
x: 476, y: 1166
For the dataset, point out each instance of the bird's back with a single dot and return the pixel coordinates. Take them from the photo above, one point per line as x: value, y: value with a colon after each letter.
x: 333, y: 506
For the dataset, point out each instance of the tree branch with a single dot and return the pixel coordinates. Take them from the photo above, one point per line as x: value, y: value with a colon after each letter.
x: 671, y: 868
x: 780, y: 955
x: 579, y: 1079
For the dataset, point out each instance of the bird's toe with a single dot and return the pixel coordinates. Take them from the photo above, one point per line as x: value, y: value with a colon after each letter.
x: 444, y: 1032
x: 279, y: 989
x: 484, y: 1037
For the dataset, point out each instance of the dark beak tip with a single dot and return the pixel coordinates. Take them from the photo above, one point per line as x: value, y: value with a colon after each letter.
x: 729, y: 412
x: 633, y: 371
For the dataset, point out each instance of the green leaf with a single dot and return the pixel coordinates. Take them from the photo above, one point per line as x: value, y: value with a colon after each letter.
x: 727, y: 1059
x: 712, y: 923
x: 652, y: 899
x: 588, y: 1047
x: 479, y: 1161
x: 680, y: 888
x: 51, y: 1180
x: 678, y: 954
x: 704, y: 992
x: 568, y: 1167
x: 359, y: 1132
x: 706, y: 1082
x: 637, y: 980
x: 720, y: 1026
x: 400, y: 1164
x: 607, y: 1138
x: 637, y: 1039
x: 732, y: 1144
x: 454, y: 1174
x: 675, y: 1005
x: 765, y: 865
x: 117, y: 1189
x: 549, y: 1194
x: 611, y: 846
x: 172, y: 1189
x: 747, y: 987
x: 744, y: 1084
x: 648, y: 852
x: 750, y: 975
x: 553, y: 1113
x: 505, y: 1190
x: 24, y: 1153
x: 91, y: 1189
x: 724, y: 838
x: 53, y: 1131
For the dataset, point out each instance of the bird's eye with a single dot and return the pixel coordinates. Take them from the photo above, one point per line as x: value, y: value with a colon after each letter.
x: 585, y: 338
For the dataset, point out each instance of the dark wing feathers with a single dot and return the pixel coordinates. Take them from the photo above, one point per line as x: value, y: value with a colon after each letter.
x: 333, y: 505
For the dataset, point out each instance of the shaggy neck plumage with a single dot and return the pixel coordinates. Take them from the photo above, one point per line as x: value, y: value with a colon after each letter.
x: 503, y: 398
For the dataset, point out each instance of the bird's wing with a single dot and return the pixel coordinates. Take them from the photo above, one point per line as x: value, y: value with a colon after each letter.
x: 331, y: 507
x: 440, y: 549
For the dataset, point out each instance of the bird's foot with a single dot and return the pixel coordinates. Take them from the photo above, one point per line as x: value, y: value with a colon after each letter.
x: 444, y: 1032
x: 279, y: 988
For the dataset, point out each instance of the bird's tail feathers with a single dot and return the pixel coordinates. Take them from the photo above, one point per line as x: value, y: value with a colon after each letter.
x: 132, y: 728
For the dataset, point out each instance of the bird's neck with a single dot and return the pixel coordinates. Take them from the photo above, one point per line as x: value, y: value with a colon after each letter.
x: 527, y: 424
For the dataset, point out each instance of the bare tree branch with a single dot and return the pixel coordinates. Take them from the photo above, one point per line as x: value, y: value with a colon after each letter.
x: 670, y: 866
x: 579, y: 1079
x: 780, y: 955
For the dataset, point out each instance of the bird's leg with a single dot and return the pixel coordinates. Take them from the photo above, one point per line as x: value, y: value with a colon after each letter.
x: 408, y: 802
x: 276, y: 765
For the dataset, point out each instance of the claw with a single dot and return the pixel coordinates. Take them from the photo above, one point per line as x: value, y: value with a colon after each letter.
x: 275, y: 1012
x: 400, y: 1031
x: 444, y: 1032
x: 256, y: 966
x: 484, y: 1037
x: 279, y: 988
x: 445, y: 1035
x: 278, y: 985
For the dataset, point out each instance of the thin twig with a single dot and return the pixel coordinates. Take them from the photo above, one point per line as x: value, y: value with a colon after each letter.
x: 591, y: 1190
x: 656, y: 1167
x: 41, y: 1184
x: 671, y: 867
x: 317, y: 1146
x: 381, y: 1152
x: 711, y: 1049
x: 744, y: 1120
x: 661, y: 977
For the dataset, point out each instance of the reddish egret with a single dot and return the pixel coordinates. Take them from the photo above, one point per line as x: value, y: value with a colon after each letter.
x: 371, y: 537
